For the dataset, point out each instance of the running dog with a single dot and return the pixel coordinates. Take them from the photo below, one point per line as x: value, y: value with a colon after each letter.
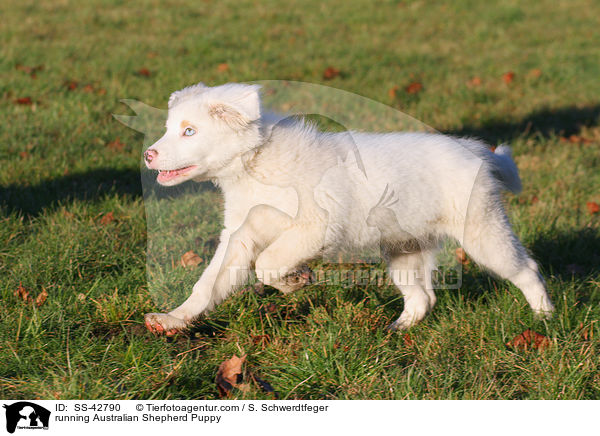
x: 293, y: 193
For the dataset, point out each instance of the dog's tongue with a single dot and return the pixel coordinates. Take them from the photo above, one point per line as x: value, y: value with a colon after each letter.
x: 164, y: 176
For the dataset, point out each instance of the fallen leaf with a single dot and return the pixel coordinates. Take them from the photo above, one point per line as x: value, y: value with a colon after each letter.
x: 190, y: 259
x: 535, y: 73
x: 22, y: 293
x: 24, y: 101
x: 508, y: 77
x: 576, y: 139
x: 229, y: 375
x: 475, y: 81
x: 414, y: 88
x: 271, y: 308
x: 592, y: 207
x: 330, y: 73
x: 29, y: 70
x: 107, y: 218
x: 71, y: 85
x: 529, y: 339
x: 116, y: 145
x: 41, y: 298
x: 144, y: 72
x: 222, y: 67
x: 461, y: 256
x: 393, y: 91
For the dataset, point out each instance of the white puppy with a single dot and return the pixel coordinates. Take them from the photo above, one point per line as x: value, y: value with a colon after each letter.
x: 293, y: 193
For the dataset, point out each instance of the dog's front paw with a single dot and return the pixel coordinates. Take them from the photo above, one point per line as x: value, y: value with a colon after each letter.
x: 295, y: 280
x: 163, y: 323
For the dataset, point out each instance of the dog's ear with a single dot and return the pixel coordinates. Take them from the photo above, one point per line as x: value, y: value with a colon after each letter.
x: 237, y: 105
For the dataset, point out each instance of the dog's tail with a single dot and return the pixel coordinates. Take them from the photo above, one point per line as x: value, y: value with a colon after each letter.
x: 505, y: 169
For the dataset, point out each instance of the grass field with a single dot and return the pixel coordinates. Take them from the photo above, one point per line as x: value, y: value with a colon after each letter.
x: 65, y: 65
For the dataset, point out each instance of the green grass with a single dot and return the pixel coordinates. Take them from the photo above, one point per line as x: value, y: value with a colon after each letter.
x: 59, y: 179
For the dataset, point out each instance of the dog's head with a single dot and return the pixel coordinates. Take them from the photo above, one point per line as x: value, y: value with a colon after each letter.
x: 207, y: 128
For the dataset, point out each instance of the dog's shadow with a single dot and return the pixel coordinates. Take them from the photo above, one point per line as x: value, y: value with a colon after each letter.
x: 544, y: 122
x: 94, y: 185
x: 568, y: 255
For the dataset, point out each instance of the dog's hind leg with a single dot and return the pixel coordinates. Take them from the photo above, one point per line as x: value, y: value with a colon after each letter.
x: 411, y: 273
x: 490, y: 241
x: 228, y: 270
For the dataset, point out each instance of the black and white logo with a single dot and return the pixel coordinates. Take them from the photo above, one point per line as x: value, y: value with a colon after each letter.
x: 26, y: 415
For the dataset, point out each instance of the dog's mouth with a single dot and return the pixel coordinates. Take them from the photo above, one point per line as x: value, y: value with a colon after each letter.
x: 169, y: 175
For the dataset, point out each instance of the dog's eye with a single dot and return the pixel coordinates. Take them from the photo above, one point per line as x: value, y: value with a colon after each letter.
x: 189, y: 132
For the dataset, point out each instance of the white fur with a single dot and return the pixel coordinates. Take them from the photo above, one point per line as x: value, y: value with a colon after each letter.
x: 293, y: 194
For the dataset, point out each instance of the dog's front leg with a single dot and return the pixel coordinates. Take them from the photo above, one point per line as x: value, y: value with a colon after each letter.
x: 178, y: 319
x: 228, y: 270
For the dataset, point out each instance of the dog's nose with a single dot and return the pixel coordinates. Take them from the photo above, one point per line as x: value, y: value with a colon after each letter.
x: 149, y: 155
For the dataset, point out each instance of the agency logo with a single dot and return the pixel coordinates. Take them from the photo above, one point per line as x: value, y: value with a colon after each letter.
x: 26, y: 415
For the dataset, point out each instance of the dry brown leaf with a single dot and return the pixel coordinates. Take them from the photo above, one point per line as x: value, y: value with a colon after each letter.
x: 229, y: 375
x: 393, y: 91
x: 330, y: 73
x: 190, y: 259
x: 71, y: 85
x: 144, y: 72
x: 271, y: 308
x: 24, y: 101
x: 32, y: 71
x: 529, y: 339
x: 414, y: 88
x: 41, y: 298
x: 508, y: 77
x: 22, y: 293
x: 107, y: 218
x: 221, y: 68
x: 577, y: 139
x: 116, y: 145
x: 592, y: 207
x: 461, y: 256
x: 475, y: 81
